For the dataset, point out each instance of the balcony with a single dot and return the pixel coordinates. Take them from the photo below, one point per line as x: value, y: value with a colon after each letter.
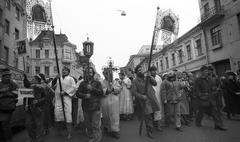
x: 212, y: 14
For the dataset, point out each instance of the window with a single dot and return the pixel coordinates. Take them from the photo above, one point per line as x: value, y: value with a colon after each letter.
x: 7, y: 27
x: 161, y: 65
x: 16, y: 34
x: 46, y: 70
x: 206, y: 9
x: 46, y: 53
x: 8, y: 4
x: 28, y: 69
x: 180, y: 56
x: 55, y: 69
x: 37, y: 70
x: 199, y: 47
x: 173, y: 59
x: 189, y: 52
x: 6, y: 54
x: 1, y: 15
x: 37, y: 53
x: 167, y: 63
x: 216, y: 35
x: 17, y: 14
x: 15, y: 59
x: 157, y: 66
x: 67, y: 53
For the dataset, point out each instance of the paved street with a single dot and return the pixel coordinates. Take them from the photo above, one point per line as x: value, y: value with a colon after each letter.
x: 129, y: 133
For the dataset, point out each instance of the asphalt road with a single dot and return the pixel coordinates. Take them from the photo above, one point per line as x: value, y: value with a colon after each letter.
x: 129, y: 133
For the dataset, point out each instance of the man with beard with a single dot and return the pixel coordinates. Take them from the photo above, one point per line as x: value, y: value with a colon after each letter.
x: 157, y: 114
x: 8, y: 100
x: 145, y: 101
x: 206, y: 92
x: 91, y: 92
x: 68, y: 90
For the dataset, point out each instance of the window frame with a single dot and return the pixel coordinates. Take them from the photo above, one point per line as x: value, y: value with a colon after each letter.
x: 167, y: 62
x: 45, y: 53
x: 180, y: 56
x: 199, y: 47
x: 37, y: 67
x: 189, y: 51
x: 17, y: 34
x: 18, y: 13
x: 7, y: 27
x: 173, y: 59
x: 47, y: 73
x: 38, y: 56
x: 215, y: 33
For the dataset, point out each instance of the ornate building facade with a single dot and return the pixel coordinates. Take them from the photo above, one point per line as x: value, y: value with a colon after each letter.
x: 41, y: 57
x: 39, y: 17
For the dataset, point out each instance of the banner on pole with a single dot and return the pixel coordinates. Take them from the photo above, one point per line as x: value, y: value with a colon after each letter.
x: 21, y: 47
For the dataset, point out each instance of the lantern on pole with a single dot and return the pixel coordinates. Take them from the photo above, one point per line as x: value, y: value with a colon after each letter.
x: 88, y: 52
x: 88, y: 48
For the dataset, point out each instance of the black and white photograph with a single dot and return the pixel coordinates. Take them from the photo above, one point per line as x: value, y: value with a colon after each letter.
x: 119, y: 70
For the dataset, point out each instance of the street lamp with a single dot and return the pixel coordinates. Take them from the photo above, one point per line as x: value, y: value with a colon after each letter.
x: 88, y: 51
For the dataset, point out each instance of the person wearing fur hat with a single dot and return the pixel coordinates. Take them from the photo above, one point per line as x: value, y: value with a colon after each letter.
x: 171, y: 96
x: 145, y: 101
x: 232, y: 95
x: 206, y: 91
x: 8, y: 100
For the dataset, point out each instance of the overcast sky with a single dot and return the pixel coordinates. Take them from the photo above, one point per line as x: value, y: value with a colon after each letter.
x: 114, y: 35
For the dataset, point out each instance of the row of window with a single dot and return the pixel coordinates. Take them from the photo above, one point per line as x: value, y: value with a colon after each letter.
x: 46, y: 70
x: 181, y: 55
x: 46, y: 53
x: 67, y: 54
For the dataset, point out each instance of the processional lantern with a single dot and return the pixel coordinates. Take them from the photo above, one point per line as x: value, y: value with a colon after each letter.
x: 88, y: 48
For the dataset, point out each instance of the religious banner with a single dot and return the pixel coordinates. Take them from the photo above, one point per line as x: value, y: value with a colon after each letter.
x: 157, y: 28
x: 21, y: 47
x: 166, y: 37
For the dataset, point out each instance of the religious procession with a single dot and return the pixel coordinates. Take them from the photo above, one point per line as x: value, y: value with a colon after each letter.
x: 174, y: 98
x: 182, y: 85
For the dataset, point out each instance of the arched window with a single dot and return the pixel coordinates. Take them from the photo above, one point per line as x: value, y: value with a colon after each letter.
x: 38, y: 13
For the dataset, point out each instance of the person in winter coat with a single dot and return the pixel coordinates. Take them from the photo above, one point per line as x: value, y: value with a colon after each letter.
x: 8, y: 100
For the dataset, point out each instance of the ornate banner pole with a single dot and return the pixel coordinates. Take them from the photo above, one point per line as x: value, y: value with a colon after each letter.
x: 56, y: 57
x: 153, y: 45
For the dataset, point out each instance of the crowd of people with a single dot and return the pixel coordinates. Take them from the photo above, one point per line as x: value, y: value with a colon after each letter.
x: 99, y: 105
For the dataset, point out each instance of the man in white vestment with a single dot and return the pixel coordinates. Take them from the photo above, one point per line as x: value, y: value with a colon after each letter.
x: 68, y: 90
x: 157, y: 114
x: 125, y: 97
x: 110, y: 105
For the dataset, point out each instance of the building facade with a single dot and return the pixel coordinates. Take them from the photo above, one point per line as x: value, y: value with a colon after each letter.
x: 215, y: 40
x: 220, y: 21
x: 41, y: 55
x: 12, y: 29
